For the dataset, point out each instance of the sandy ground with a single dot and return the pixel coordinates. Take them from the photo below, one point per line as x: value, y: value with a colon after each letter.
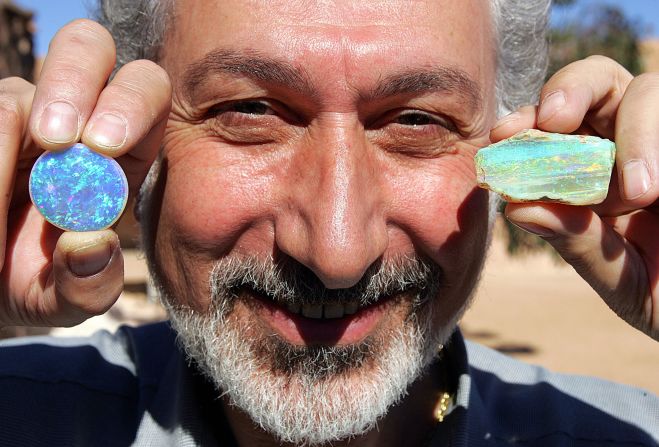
x: 531, y: 308
x: 541, y: 311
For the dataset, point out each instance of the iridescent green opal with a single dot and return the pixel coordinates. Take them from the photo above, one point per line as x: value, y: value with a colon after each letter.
x: 536, y: 166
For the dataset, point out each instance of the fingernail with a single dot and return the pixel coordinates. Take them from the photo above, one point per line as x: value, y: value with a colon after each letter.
x: 552, y: 103
x: 89, y: 260
x: 534, y: 229
x: 514, y: 116
x: 108, y: 130
x: 635, y: 179
x: 59, y: 123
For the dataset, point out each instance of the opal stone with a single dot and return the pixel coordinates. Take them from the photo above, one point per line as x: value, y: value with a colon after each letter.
x: 547, y: 167
x: 78, y: 189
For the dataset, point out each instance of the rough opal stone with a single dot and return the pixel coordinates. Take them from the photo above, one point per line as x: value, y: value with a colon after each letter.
x: 78, y: 189
x: 547, y: 167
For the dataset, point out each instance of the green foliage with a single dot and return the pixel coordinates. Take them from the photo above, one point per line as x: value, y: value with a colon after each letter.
x: 603, y: 30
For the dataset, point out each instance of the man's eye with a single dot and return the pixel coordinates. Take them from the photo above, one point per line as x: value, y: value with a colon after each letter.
x: 250, y: 108
x: 417, y: 118
x: 414, y: 119
x: 250, y: 121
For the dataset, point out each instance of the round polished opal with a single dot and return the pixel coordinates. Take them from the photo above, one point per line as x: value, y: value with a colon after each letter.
x: 78, y: 189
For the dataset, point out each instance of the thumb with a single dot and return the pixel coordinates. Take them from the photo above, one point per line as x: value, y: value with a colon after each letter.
x: 87, y: 277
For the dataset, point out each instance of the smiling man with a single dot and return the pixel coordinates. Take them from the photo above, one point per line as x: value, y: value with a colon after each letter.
x: 313, y: 224
x: 332, y: 288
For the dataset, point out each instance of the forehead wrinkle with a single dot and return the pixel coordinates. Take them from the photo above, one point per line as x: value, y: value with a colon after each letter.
x: 247, y: 63
x: 428, y: 80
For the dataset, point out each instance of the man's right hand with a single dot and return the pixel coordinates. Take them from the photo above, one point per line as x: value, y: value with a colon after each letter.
x: 50, y: 277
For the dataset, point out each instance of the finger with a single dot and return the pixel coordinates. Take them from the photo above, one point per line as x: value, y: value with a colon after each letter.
x: 610, y: 264
x: 87, y: 277
x: 522, y: 119
x: 509, y: 125
x: 588, y: 90
x: 79, y: 61
x: 640, y: 229
x: 637, y: 142
x: 134, y: 105
x: 15, y: 97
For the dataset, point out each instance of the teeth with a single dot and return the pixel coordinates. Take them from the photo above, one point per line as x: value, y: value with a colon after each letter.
x: 351, y: 307
x: 333, y: 310
x: 328, y: 310
x: 312, y: 310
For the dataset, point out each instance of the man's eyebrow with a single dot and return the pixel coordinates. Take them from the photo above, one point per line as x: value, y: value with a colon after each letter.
x: 424, y: 80
x: 247, y: 63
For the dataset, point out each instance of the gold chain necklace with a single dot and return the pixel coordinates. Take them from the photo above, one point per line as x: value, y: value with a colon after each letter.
x: 441, y: 407
x: 445, y: 399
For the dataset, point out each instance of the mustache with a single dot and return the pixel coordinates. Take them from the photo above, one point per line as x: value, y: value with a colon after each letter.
x: 289, y: 282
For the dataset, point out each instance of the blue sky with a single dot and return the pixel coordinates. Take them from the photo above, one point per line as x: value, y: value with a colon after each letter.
x: 52, y: 14
x: 644, y: 11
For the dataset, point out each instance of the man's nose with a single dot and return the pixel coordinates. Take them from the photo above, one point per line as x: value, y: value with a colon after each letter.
x: 335, y: 222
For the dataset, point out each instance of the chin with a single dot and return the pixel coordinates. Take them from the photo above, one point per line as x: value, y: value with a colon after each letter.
x: 274, y: 363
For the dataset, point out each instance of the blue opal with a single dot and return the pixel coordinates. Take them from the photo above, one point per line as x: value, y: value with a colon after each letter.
x: 78, y: 189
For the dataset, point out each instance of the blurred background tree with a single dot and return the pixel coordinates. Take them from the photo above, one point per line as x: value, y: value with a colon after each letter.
x: 584, y: 30
x: 597, y: 29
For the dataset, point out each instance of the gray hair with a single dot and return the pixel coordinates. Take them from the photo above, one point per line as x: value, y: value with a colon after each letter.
x: 139, y: 26
x: 523, y: 51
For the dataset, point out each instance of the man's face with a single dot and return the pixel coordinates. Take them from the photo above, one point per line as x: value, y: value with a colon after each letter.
x: 318, y: 162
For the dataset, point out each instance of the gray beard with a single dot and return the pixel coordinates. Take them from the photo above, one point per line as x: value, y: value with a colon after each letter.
x: 312, y: 395
x: 305, y: 395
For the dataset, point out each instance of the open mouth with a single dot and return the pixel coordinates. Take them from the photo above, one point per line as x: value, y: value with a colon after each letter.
x: 331, y: 323
x: 324, y: 310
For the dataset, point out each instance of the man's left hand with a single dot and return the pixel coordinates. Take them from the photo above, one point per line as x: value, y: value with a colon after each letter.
x: 614, y: 246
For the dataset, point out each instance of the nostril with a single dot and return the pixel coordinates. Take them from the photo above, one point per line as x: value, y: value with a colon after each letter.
x: 340, y: 270
x: 337, y: 240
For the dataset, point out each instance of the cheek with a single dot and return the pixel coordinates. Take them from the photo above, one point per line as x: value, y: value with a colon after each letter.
x: 445, y: 217
x: 444, y: 212
x: 212, y: 205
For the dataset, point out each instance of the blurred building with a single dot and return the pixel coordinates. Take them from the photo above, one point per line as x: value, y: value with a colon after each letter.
x: 650, y: 54
x: 16, y: 43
